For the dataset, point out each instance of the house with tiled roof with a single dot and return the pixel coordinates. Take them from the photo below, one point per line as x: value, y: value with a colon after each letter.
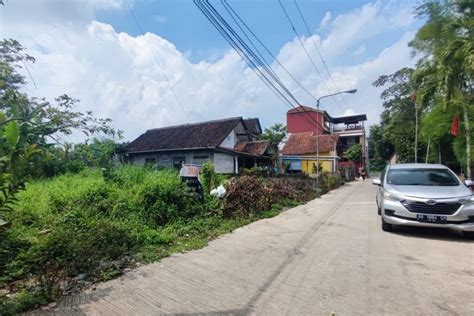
x: 229, y: 143
x: 315, y: 135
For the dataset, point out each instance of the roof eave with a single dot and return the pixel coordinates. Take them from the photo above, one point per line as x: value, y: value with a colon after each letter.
x: 167, y: 149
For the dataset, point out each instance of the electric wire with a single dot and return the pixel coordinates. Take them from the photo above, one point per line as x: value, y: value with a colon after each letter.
x: 253, y: 55
x: 307, y: 53
x: 319, y: 52
x: 233, y: 13
x: 208, y: 14
x: 250, y: 57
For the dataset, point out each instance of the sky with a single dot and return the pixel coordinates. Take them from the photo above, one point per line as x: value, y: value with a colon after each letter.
x: 95, y: 51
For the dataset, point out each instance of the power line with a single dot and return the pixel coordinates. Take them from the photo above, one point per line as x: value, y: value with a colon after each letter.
x: 319, y: 53
x: 258, y: 60
x: 204, y: 6
x: 250, y: 57
x: 156, y: 59
x: 239, y: 51
x: 232, y: 12
x: 306, y: 52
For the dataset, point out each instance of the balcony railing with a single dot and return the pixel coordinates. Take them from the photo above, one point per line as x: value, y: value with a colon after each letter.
x: 348, y: 127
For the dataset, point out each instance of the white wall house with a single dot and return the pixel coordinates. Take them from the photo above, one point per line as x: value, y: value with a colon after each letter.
x: 229, y: 143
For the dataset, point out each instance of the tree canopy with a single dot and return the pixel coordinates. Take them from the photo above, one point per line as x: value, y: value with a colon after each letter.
x: 31, y: 127
x: 439, y: 87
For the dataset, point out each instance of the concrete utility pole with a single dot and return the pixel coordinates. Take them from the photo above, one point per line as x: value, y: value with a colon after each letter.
x: 322, y: 125
x: 416, y: 134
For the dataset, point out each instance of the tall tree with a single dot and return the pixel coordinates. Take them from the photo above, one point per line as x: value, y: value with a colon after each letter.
x: 380, y: 147
x: 29, y: 126
x: 446, y: 67
x: 398, y: 118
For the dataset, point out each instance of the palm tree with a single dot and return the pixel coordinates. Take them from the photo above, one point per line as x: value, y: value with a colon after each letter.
x: 447, y: 66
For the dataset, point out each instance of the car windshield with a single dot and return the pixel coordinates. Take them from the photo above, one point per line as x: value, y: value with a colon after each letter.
x: 429, y: 177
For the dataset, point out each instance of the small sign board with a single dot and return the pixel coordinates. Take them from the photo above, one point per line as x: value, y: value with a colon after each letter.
x: 189, y: 171
x: 190, y: 175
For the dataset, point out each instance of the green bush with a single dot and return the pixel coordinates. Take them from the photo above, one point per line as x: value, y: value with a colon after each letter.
x: 90, y: 223
x: 331, y: 181
x: 209, y: 178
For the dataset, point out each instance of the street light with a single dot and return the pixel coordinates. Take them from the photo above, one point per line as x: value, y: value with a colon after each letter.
x: 352, y: 91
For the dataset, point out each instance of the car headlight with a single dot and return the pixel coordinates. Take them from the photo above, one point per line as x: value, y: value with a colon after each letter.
x: 392, y: 197
x: 467, y: 200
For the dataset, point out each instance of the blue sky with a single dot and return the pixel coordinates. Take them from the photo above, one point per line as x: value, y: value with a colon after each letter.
x: 181, y: 22
x: 94, y: 51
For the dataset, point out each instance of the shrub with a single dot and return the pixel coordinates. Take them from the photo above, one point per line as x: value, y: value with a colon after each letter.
x: 89, y: 223
x: 330, y: 182
x: 250, y: 195
x: 246, y: 195
x: 257, y: 171
x: 209, y: 178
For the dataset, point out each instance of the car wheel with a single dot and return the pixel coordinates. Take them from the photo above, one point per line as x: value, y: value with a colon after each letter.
x: 386, y: 227
x: 379, y: 211
x: 469, y: 235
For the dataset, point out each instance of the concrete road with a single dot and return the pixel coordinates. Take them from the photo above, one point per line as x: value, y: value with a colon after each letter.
x: 326, y: 257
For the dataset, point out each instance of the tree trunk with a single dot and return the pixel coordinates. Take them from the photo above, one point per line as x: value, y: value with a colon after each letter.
x: 468, y: 144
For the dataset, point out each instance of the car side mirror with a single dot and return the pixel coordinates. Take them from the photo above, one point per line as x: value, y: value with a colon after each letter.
x: 377, y: 182
x: 469, y: 183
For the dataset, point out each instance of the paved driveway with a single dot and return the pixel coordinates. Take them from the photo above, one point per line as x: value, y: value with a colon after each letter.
x: 328, y: 256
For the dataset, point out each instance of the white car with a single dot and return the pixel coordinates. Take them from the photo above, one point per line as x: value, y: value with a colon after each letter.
x: 428, y: 195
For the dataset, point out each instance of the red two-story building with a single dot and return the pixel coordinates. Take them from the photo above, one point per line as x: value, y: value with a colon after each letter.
x: 315, y: 134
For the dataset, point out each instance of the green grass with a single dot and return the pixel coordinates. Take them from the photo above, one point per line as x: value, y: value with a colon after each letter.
x: 97, y: 223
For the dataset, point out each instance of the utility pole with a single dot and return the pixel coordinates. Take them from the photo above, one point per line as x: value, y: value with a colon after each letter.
x: 317, y: 148
x: 416, y: 134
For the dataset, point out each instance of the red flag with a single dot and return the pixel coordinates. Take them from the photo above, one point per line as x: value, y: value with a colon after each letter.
x: 455, y: 125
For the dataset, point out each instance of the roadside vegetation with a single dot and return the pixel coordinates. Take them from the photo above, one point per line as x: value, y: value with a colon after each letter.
x: 75, y: 229
x: 422, y: 104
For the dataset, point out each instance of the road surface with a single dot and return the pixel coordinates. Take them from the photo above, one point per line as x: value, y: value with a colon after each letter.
x: 326, y: 257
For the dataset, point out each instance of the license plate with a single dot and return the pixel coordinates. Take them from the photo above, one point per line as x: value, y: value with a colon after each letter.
x: 431, y: 218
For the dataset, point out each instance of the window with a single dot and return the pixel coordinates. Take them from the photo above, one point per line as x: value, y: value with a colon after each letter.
x: 178, y: 162
x: 150, y: 161
x: 200, y: 159
x: 428, y: 177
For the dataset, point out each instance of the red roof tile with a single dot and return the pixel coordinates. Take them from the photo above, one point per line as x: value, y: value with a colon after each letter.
x: 256, y: 148
x: 306, y: 143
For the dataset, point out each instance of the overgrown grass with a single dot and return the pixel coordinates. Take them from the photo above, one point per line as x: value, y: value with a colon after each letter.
x: 75, y: 229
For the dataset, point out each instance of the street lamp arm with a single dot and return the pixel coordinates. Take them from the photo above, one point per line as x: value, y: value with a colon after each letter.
x: 333, y: 94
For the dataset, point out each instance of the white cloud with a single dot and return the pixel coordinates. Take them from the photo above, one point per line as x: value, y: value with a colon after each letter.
x: 370, y: 20
x: 116, y: 75
x: 325, y: 21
